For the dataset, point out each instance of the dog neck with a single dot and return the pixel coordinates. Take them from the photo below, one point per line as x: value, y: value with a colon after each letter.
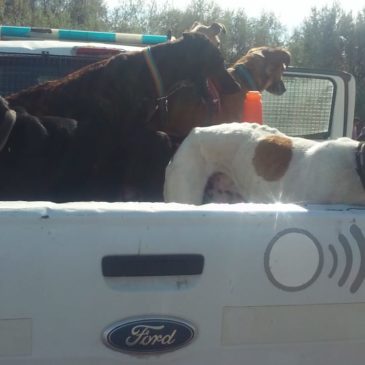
x: 156, y: 76
x: 245, y: 76
x: 162, y: 98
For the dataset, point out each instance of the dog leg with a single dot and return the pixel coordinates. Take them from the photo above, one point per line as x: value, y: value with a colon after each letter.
x: 221, y: 189
x: 186, y: 174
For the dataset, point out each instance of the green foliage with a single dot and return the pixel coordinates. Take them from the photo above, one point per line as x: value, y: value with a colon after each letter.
x: 323, y: 39
x: 80, y: 14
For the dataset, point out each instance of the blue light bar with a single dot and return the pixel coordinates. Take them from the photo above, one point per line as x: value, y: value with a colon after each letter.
x: 153, y: 39
x: 7, y: 31
x: 11, y: 32
x: 82, y: 35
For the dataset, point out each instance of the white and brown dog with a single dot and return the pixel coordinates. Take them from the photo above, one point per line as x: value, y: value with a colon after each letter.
x: 260, y: 164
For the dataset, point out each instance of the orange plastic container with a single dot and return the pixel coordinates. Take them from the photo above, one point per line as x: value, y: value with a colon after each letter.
x: 252, y: 108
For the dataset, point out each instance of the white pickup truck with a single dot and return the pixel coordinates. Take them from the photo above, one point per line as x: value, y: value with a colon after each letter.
x: 147, y: 283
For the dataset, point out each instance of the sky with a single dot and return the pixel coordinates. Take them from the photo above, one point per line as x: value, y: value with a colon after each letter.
x: 290, y: 12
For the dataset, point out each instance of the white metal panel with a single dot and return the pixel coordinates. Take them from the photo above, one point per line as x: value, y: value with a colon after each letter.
x: 50, y: 273
x: 351, y: 106
x: 64, y: 48
x: 343, y: 104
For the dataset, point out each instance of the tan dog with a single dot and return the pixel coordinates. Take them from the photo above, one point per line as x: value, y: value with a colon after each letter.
x: 260, y: 69
x: 267, y: 166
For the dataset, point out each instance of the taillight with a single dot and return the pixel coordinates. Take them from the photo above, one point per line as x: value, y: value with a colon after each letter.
x: 95, y: 51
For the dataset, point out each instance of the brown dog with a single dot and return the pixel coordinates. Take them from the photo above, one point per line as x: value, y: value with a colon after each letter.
x: 260, y: 69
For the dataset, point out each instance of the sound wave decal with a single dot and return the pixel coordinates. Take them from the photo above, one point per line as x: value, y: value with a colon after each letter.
x: 360, y: 241
x: 294, y: 259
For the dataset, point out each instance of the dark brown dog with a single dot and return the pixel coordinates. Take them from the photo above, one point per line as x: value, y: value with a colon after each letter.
x: 260, y: 69
x: 31, y: 158
x: 112, y: 102
x: 122, y: 90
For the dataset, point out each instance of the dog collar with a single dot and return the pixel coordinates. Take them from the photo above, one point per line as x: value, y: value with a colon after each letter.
x: 245, y: 74
x: 162, y: 99
x: 212, y: 101
x: 156, y: 76
x: 360, y: 162
x: 215, y: 99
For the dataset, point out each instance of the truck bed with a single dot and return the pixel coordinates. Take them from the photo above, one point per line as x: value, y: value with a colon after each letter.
x: 255, y: 284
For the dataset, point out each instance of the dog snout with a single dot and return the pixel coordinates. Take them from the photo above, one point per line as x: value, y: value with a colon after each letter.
x: 278, y: 88
x: 225, y: 83
x: 361, y: 136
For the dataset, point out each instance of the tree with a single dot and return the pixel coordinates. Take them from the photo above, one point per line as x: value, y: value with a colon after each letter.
x: 323, y: 41
x: 87, y: 14
x: 15, y: 12
x: 81, y: 14
x: 357, y: 65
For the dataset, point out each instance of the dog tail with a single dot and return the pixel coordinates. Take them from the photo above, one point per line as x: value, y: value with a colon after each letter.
x: 7, y: 122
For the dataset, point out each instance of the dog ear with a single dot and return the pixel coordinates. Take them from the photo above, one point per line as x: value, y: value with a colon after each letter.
x: 194, y: 35
x: 281, y: 56
x: 286, y: 57
x: 218, y: 28
x: 188, y: 35
x: 257, y: 51
x: 195, y: 25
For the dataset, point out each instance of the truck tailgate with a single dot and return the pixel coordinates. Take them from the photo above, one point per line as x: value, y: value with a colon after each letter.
x: 128, y: 283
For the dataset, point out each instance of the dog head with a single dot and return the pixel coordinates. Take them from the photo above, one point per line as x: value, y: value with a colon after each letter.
x: 206, y: 61
x: 265, y: 66
x: 212, y: 32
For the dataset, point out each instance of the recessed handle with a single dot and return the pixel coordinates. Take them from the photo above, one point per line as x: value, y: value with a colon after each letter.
x: 152, y: 265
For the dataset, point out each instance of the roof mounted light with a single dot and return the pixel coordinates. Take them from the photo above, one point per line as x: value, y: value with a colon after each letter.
x: 15, y: 32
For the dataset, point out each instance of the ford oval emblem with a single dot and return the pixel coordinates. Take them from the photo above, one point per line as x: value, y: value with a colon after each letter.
x: 149, y: 335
